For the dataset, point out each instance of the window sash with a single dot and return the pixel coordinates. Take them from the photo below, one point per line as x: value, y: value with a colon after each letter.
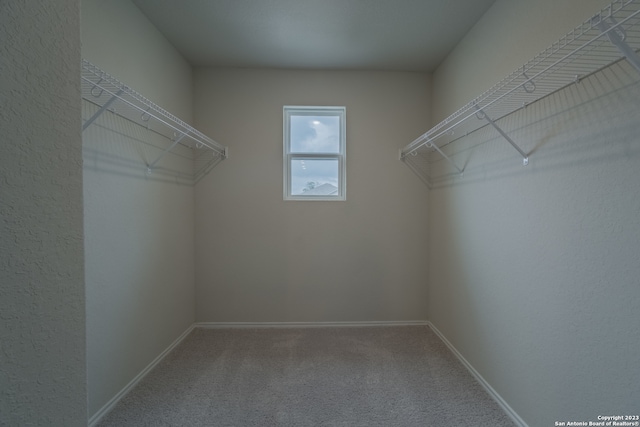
x: 332, y: 157
x: 290, y: 157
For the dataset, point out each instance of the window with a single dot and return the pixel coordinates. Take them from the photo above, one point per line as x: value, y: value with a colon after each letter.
x: 314, y: 153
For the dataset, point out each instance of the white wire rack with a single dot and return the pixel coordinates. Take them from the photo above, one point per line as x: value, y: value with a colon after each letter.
x: 109, y: 94
x: 610, y: 35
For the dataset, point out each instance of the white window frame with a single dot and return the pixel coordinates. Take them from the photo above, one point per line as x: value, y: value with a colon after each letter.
x: 341, y: 156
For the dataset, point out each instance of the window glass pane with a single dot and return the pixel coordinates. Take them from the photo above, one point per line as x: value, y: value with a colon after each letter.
x: 315, y: 134
x: 314, y: 177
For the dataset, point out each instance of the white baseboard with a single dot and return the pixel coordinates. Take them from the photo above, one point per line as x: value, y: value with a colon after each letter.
x: 228, y: 325
x: 494, y: 394
x: 110, y: 404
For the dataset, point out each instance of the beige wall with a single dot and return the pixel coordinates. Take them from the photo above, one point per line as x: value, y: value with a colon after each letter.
x: 533, y: 271
x: 260, y: 258
x: 42, y: 308
x: 139, y: 229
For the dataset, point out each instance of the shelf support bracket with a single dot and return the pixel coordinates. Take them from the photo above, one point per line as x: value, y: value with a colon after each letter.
x: 619, y: 42
x: 164, y: 153
x: 482, y: 115
x: 435, y: 147
x: 101, y: 110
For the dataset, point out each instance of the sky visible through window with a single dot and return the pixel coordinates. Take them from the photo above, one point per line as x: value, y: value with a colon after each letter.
x: 314, y: 134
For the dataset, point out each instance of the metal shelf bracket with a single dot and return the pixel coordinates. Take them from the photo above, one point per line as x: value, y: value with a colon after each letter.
x: 481, y: 115
x: 102, y: 109
x: 166, y: 150
x: 617, y: 37
x: 435, y: 147
x: 429, y: 144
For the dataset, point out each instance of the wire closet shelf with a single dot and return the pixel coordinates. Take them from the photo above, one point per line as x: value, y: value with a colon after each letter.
x: 608, y: 36
x: 109, y: 94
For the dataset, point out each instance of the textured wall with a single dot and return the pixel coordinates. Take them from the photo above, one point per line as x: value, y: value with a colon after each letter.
x: 42, y: 336
x: 260, y: 258
x: 534, y: 270
x: 139, y: 231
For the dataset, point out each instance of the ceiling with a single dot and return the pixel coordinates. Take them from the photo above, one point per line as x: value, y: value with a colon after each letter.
x: 399, y: 35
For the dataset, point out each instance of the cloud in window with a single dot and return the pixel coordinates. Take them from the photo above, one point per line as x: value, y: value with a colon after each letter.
x: 315, y: 134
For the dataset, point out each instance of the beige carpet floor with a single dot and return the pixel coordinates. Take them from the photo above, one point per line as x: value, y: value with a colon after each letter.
x: 369, y: 376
